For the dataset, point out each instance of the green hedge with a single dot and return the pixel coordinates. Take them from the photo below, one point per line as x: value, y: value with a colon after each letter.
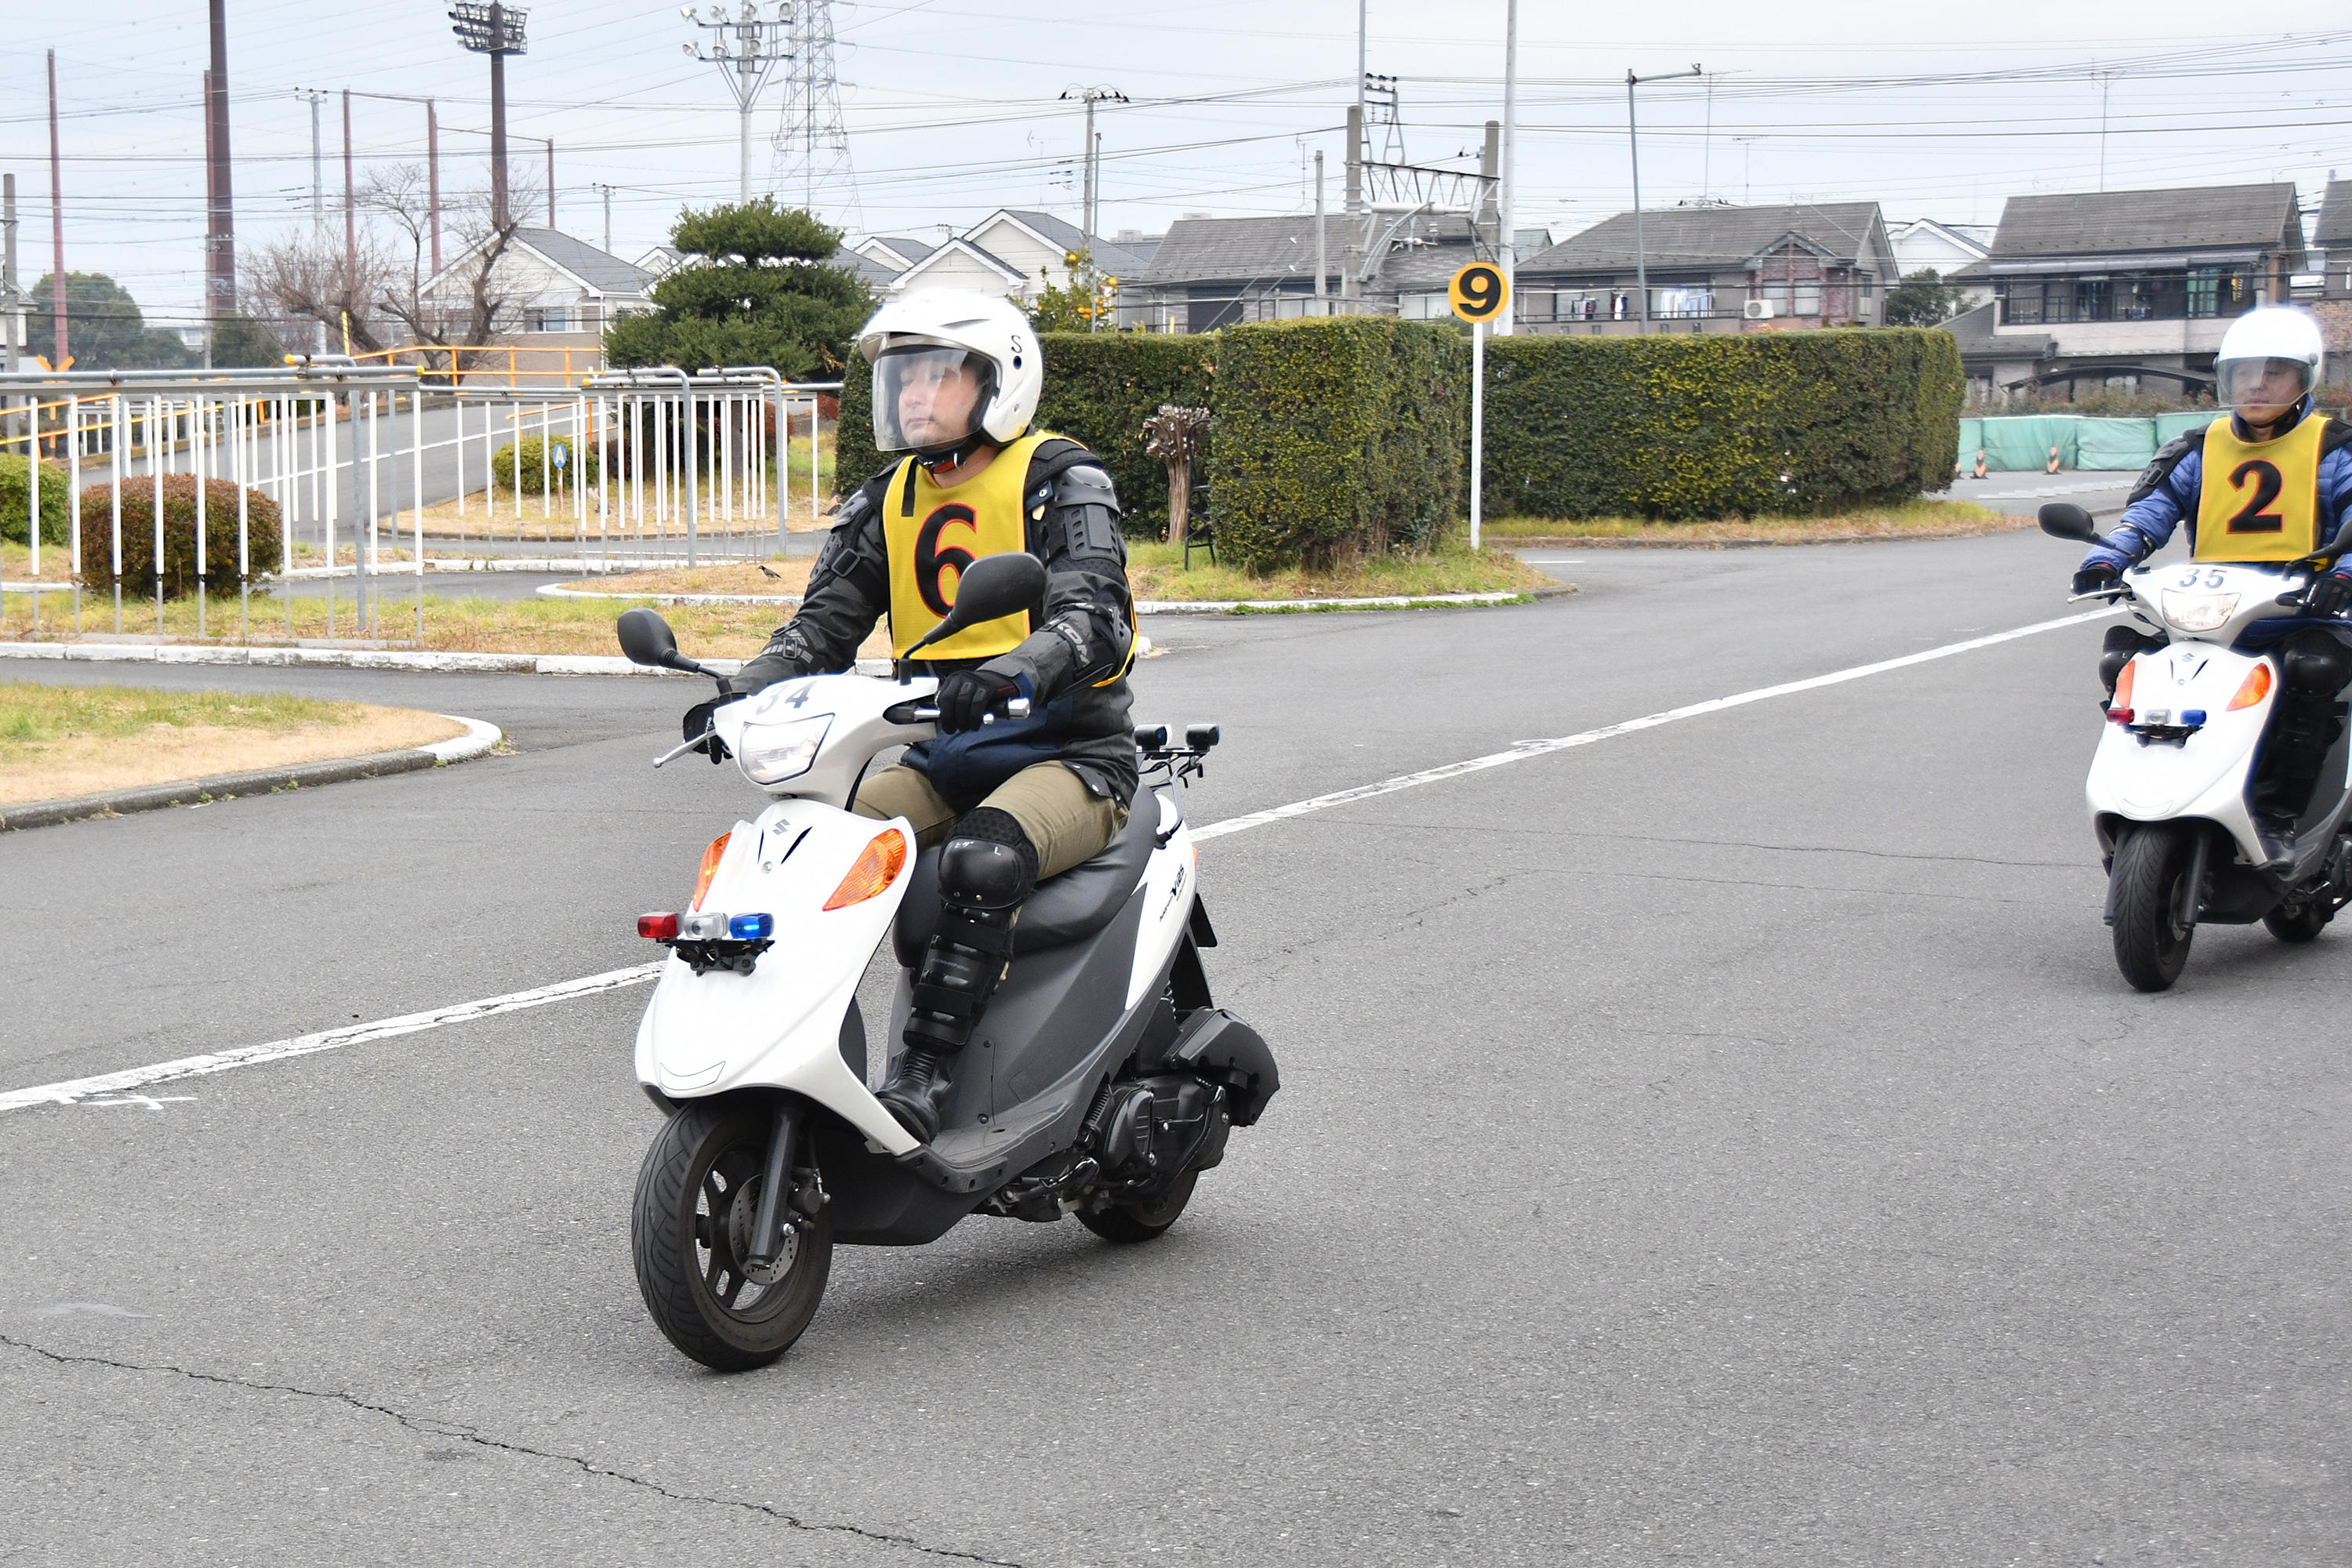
x: 1099, y: 389
x: 56, y: 502
x: 1687, y: 426
x: 220, y: 575
x: 534, y: 465
x: 1334, y: 436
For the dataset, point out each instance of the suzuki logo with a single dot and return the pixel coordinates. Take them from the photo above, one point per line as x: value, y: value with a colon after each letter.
x: 2187, y: 665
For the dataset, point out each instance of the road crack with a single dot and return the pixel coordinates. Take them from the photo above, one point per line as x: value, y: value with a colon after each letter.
x: 459, y: 1432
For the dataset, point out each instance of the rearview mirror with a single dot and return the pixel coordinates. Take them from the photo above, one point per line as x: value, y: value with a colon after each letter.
x: 990, y: 589
x: 646, y: 638
x: 2064, y: 519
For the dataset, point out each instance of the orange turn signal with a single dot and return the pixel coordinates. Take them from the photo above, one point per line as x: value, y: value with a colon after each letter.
x: 2124, y: 687
x: 878, y: 866
x: 2256, y: 687
x: 710, y: 858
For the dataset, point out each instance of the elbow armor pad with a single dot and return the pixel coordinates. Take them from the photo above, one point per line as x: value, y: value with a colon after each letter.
x: 1082, y: 517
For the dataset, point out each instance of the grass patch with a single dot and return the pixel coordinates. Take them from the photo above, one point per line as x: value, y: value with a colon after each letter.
x: 453, y: 623
x: 786, y: 576
x: 1157, y: 572
x: 1916, y: 518
x: 57, y: 741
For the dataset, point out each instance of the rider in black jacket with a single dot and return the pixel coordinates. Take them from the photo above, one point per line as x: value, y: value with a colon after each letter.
x: 956, y: 383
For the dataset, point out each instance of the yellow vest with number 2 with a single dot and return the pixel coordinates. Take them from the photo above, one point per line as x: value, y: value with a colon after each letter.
x: 2259, y: 501
x: 935, y: 532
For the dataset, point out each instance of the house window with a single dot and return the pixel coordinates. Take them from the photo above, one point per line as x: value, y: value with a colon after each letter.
x: 2219, y: 291
x: 546, y: 319
x: 1681, y: 303
x: 1805, y: 297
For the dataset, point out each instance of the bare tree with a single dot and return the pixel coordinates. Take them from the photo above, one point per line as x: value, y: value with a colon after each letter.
x: 307, y: 277
x: 472, y: 301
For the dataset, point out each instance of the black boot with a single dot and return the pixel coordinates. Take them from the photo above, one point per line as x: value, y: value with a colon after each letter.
x: 2122, y: 642
x: 987, y: 869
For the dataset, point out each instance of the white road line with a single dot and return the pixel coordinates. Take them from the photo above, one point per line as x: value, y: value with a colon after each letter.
x: 1527, y: 749
x: 77, y: 1090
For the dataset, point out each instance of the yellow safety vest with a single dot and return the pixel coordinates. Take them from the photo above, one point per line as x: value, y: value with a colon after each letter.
x: 2259, y: 501
x: 943, y: 531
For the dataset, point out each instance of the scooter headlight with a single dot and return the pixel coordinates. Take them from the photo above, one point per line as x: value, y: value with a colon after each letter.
x: 771, y: 753
x: 2199, y: 612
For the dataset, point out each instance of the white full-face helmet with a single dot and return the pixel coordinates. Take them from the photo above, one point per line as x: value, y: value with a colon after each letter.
x: 2270, y: 356
x: 924, y: 343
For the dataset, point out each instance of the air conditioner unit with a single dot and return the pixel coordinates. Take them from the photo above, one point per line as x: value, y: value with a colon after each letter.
x: 1757, y: 310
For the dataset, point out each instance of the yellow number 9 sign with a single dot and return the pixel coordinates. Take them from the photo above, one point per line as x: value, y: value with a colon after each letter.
x: 1478, y: 291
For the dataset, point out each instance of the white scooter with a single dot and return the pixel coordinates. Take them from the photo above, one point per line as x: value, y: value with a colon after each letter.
x: 1101, y: 1080
x: 2176, y: 784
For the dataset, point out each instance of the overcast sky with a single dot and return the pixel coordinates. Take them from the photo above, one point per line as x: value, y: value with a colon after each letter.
x: 951, y: 109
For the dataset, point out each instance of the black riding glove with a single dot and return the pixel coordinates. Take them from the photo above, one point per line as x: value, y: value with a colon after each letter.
x: 697, y: 720
x: 967, y: 696
x: 2097, y: 578
x: 2330, y: 592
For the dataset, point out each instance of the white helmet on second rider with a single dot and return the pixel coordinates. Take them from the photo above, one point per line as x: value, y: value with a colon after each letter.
x: 922, y: 345
x: 2270, y: 358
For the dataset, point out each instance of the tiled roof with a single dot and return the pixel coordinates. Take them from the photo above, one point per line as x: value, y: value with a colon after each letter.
x: 2335, y: 215
x: 2085, y: 223
x: 601, y: 271
x: 1675, y: 237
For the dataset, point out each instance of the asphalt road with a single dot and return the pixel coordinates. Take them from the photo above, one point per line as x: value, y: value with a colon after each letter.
x: 1724, y: 1142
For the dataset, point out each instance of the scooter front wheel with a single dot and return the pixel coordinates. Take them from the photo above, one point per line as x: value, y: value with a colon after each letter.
x: 2151, y: 945
x: 697, y: 1195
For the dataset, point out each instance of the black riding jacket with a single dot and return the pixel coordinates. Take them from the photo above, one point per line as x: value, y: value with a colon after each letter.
x: 1074, y: 527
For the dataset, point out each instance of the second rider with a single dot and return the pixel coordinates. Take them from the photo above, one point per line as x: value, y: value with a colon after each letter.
x: 956, y: 383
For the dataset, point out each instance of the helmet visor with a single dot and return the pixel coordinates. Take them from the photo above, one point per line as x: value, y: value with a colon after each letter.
x: 928, y: 397
x: 2246, y: 384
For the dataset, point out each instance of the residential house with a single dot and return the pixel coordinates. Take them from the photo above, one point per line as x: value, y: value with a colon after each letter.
x: 1209, y: 272
x: 1953, y: 251
x: 2114, y: 288
x: 2331, y: 256
x: 1012, y: 251
x: 1715, y: 268
x: 562, y: 293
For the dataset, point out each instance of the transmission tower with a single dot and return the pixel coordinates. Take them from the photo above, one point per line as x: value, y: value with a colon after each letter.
x: 812, y: 156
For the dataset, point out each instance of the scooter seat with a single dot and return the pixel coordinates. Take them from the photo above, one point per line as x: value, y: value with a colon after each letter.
x: 1063, y: 909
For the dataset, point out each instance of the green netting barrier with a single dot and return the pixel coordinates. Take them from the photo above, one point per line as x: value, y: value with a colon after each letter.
x: 2167, y: 426
x: 2114, y: 444
x: 1971, y: 437
x: 2021, y: 445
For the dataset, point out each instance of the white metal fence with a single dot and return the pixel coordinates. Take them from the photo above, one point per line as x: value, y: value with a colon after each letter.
x: 645, y: 467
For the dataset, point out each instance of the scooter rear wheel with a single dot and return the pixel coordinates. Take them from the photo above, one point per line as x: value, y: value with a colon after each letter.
x: 1137, y: 1222
x: 2151, y: 945
x: 696, y: 1195
x: 2298, y: 923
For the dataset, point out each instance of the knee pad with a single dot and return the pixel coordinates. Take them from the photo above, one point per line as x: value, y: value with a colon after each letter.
x: 988, y: 862
x: 2316, y: 663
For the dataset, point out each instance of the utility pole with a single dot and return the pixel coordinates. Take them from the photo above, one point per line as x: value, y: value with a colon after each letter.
x: 496, y: 30
x: 608, y: 216
x: 318, y: 185
x: 1641, y: 259
x: 351, y: 208
x: 433, y: 178
x: 1349, y: 283
x: 10, y: 298
x: 746, y: 49
x: 1322, y: 267
x: 1506, y: 215
x: 56, y: 221
x: 220, y: 229
x: 1089, y: 208
x: 550, y: 181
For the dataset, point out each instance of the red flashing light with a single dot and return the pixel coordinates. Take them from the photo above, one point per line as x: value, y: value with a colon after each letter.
x: 657, y: 928
x: 2119, y: 715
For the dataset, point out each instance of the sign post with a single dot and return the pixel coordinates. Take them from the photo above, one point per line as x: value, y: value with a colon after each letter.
x: 1478, y: 293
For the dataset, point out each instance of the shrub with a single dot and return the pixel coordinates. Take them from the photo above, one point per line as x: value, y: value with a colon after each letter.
x: 262, y: 539
x: 1713, y: 426
x: 1337, y: 438
x: 536, y: 469
x: 1099, y: 389
x: 56, y: 502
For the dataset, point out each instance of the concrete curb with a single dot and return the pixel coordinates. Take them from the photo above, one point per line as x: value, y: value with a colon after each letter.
x: 1616, y: 542
x: 1142, y: 606
x: 478, y: 739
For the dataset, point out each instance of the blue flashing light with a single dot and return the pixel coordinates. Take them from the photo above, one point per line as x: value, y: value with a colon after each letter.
x: 2193, y: 716
x: 750, y: 928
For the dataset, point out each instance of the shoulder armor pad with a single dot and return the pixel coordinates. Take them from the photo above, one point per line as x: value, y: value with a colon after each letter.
x: 1084, y: 485
x: 2160, y: 466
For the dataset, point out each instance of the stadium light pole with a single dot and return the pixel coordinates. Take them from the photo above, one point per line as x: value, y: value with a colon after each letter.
x: 746, y: 47
x: 496, y: 30
x: 1641, y: 261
